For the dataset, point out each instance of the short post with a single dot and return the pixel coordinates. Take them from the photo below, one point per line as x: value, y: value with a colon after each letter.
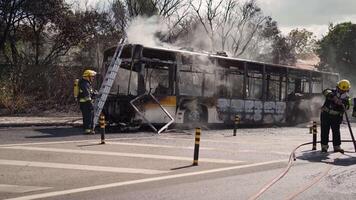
x: 196, y: 146
x: 236, y: 123
x: 102, y: 127
x: 314, y: 135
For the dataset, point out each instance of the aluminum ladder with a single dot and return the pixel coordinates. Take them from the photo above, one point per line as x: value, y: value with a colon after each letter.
x: 108, y: 81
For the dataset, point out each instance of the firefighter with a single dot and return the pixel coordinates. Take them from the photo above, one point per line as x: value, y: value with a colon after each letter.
x: 85, y: 98
x: 337, y: 101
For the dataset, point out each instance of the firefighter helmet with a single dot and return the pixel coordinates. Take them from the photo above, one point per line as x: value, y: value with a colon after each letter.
x: 344, y: 85
x: 89, y: 73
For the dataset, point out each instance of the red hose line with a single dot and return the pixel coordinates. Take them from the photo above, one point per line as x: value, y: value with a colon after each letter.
x: 277, y: 178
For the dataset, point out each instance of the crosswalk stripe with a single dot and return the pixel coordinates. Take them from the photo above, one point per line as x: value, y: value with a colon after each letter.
x: 71, y: 141
x: 20, y: 188
x: 156, y: 145
x: 118, y: 184
x: 79, y: 167
x: 213, y: 140
x: 120, y: 154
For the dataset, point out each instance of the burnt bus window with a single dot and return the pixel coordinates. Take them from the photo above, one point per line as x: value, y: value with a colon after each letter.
x: 316, y: 85
x: 209, y: 85
x: 305, y: 86
x: 254, y: 86
x: 222, y: 85
x: 298, y: 85
x: 190, y: 83
x: 120, y: 85
x: 157, y: 81
x: 283, y: 89
x: 235, y: 84
x: 273, y: 88
x: 291, y: 85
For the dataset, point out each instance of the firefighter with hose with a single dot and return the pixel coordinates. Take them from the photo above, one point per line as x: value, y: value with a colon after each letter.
x: 337, y: 101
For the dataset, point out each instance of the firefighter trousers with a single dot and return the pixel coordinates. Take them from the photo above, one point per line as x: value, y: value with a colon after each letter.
x: 87, y: 109
x: 330, y: 121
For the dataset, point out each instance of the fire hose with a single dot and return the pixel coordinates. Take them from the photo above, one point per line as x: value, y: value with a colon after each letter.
x: 292, y: 158
x: 352, y: 135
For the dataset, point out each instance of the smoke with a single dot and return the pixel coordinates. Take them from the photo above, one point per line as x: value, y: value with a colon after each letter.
x: 145, y: 31
x: 196, y: 39
x: 150, y: 32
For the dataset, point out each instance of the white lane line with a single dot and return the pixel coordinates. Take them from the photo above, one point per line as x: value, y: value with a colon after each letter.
x: 20, y: 188
x: 204, y: 148
x: 110, y: 185
x: 108, y: 153
x: 72, y: 141
x: 214, y: 140
x: 156, y: 145
x: 79, y: 167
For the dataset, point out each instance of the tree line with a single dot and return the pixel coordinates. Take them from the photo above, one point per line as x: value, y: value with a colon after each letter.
x: 46, y: 44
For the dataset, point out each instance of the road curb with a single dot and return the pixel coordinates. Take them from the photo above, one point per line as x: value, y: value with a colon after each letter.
x: 39, y: 121
x: 39, y: 124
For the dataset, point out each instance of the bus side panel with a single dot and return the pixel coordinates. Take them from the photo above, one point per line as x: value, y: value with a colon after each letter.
x: 153, y: 112
x: 223, y: 107
x: 274, y: 112
x: 250, y: 111
x: 253, y: 112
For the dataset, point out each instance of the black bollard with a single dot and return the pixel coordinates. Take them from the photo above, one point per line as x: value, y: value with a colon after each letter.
x: 196, y: 146
x: 236, y: 124
x: 314, y: 135
x: 102, y: 127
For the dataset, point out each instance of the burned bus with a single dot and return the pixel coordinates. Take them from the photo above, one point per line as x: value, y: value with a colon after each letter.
x: 206, y: 88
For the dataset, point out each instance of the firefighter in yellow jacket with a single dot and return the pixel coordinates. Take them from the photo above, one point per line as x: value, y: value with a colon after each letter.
x: 336, y: 103
x: 85, y: 98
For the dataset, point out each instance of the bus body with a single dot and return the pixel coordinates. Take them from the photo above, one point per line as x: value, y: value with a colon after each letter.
x: 212, y: 89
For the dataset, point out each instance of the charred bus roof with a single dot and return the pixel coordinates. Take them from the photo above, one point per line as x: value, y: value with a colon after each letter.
x: 168, y: 56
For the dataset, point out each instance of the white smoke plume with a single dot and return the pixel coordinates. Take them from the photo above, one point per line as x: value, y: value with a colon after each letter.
x: 144, y: 31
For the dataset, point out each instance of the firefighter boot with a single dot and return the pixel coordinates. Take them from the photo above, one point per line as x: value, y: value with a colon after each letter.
x: 338, y: 149
x: 324, y: 148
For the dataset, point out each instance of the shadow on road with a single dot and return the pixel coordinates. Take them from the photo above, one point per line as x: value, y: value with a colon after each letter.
x: 187, y: 166
x: 316, y: 156
x: 57, y: 132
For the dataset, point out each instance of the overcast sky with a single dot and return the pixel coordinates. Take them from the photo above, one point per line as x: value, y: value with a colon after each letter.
x: 314, y: 15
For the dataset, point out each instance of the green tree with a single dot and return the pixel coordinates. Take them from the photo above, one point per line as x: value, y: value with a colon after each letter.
x: 282, y: 51
x: 337, y: 50
x: 34, y: 40
x: 302, y: 42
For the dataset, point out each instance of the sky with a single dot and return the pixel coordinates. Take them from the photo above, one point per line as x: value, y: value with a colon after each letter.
x: 313, y: 15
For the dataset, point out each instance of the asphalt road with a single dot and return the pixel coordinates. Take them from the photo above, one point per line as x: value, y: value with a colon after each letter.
x: 61, y: 163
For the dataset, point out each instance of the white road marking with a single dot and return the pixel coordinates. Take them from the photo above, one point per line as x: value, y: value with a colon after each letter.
x: 214, y: 140
x: 72, y: 141
x: 107, y: 153
x: 20, y: 188
x: 79, y: 167
x: 203, y: 148
x: 110, y: 185
x: 156, y: 145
